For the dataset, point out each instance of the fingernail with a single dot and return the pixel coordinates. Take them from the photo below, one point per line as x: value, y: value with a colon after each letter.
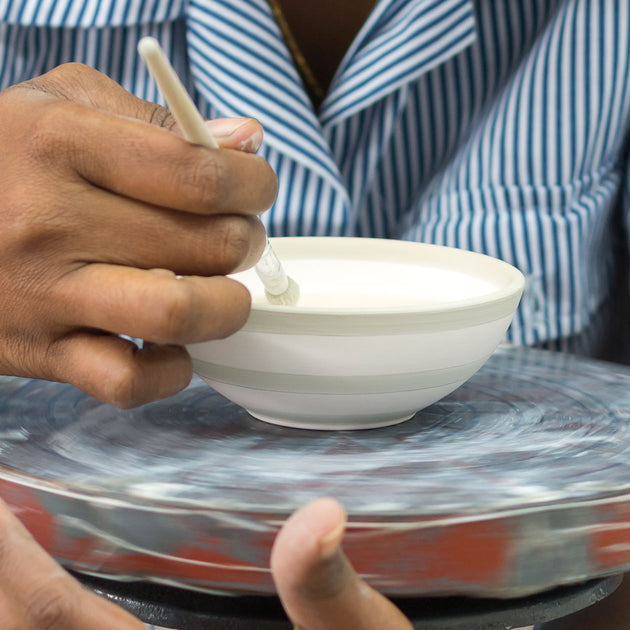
x: 329, y: 543
x: 252, y: 144
x: 225, y: 127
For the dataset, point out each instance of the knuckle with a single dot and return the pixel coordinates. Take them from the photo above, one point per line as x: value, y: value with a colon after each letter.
x: 54, y: 81
x: 201, y: 179
x: 72, y: 68
x: 74, y: 82
x: 161, y: 117
x: 53, y: 604
x: 47, y: 141
x: 71, y: 72
x: 33, y: 232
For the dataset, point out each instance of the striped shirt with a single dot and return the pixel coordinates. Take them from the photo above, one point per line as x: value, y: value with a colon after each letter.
x: 499, y: 126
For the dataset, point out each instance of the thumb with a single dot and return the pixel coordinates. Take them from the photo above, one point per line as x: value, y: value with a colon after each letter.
x: 318, y: 587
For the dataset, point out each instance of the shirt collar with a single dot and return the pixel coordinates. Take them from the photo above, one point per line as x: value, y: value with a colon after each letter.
x: 241, y: 64
x: 89, y: 13
x: 400, y: 41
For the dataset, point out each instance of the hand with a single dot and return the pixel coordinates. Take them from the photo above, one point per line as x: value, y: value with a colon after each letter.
x: 317, y: 586
x: 103, y: 205
x: 37, y: 594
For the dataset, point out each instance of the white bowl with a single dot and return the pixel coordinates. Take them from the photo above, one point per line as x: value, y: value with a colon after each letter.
x: 383, y: 328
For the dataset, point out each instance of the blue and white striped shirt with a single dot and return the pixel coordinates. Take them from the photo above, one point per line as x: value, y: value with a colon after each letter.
x: 497, y: 126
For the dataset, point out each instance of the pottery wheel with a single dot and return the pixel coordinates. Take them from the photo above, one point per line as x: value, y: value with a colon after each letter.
x: 517, y: 482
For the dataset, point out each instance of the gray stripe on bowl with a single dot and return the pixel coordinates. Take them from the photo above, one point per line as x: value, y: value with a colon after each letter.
x: 335, y: 384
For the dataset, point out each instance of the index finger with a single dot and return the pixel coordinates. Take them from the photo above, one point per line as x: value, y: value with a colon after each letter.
x: 81, y: 84
x: 150, y: 164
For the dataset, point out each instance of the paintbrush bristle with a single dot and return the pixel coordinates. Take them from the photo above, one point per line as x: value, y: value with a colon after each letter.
x: 289, y: 297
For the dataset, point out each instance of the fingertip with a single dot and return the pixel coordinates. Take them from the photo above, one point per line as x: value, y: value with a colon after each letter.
x: 256, y: 245
x: 221, y: 309
x: 310, y: 535
x: 133, y: 379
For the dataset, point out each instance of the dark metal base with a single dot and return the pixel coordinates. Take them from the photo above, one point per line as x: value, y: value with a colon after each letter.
x: 188, y: 610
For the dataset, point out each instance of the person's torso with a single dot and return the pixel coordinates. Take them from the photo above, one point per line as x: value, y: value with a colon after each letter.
x: 499, y: 127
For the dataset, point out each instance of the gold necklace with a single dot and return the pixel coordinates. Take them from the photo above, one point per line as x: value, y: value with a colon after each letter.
x: 312, y: 85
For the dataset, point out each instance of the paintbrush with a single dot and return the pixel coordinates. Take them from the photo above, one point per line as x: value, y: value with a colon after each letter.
x: 279, y: 288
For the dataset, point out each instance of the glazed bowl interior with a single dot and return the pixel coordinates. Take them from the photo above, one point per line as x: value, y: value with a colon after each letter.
x: 382, y: 329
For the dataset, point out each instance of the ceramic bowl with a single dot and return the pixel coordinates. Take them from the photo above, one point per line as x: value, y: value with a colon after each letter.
x: 383, y: 328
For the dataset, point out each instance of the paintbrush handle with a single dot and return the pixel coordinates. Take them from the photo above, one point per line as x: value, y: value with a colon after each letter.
x: 179, y: 102
x: 271, y: 273
x: 190, y: 121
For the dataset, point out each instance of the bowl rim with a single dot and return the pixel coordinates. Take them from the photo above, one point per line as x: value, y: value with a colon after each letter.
x: 491, y: 306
